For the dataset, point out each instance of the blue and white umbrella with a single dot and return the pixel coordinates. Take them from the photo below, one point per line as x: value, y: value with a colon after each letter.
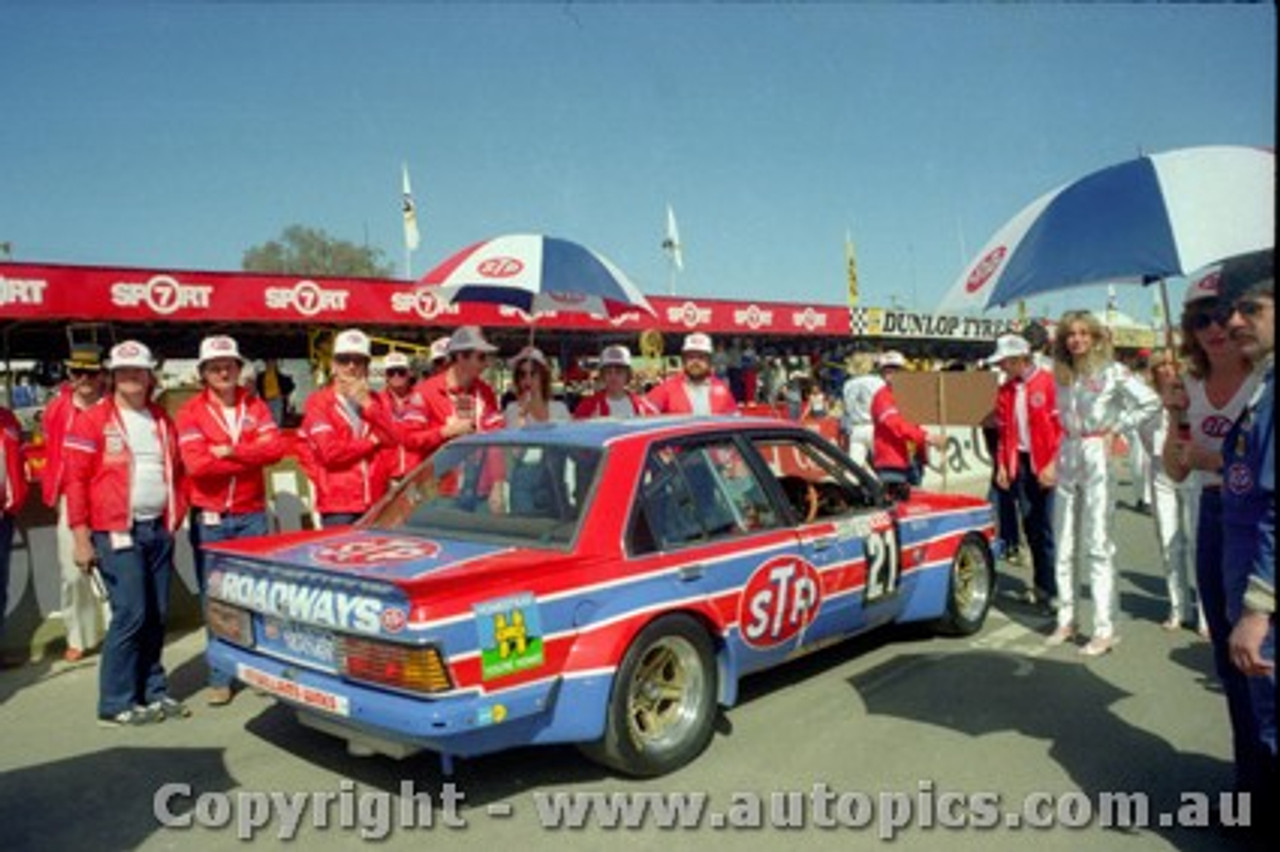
x: 537, y: 274
x: 1159, y: 216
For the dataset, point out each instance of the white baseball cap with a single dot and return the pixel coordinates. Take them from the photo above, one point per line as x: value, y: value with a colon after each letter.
x: 469, y: 338
x: 615, y: 356
x: 219, y: 346
x: 352, y: 341
x: 697, y: 342
x: 529, y: 353
x: 440, y: 348
x: 395, y: 361
x: 1207, y: 285
x: 892, y: 358
x: 131, y: 353
x: 1009, y: 346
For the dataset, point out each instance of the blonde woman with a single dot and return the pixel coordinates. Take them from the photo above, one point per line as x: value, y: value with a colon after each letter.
x: 1171, y: 501
x: 1097, y: 398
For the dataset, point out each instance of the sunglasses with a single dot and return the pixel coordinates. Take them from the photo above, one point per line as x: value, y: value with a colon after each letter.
x: 1205, y: 317
x: 76, y: 373
x: 349, y: 359
x: 398, y: 371
x: 1248, y: 307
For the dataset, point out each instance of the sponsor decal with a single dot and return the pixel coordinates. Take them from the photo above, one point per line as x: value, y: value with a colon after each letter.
x: 779, y: 601
x: 1037, y: 399
x: 364, y: 552
x: 985, y: 269
x: 394, y: 619
x: 309, y: 695
x: 562, y: 297
x: 1239, y: 478
x: 295, y: 602
x: 809, y: 319
x: 863, y: 526
x: 510, y: 631
x: 491, y: 715
x: 1216, y: 426
x: 307, y: 298
x: 424, y: 302
x: 753, y: 317
x: 500, y: 267
x: 22, y: 291
x: 161, y: 294
x: 689, y: 315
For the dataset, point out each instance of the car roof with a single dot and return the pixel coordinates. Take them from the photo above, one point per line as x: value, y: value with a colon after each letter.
x: 601, y: 431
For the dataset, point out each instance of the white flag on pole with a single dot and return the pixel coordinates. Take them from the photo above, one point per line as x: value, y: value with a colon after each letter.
x: 671, y: 244
x: 411, y: 236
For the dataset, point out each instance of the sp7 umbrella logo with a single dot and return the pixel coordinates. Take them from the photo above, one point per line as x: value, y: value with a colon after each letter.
x: 985, y: 269
x: 500, y: 267
x: 371, y: 551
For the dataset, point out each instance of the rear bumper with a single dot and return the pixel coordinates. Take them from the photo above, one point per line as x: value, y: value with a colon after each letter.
x: 459, y: 724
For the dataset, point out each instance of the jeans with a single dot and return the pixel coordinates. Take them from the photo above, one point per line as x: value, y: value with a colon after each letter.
x: 6, y: 547
x: 137, y: 582
x: 229, y: 527
x: 1035, y: 505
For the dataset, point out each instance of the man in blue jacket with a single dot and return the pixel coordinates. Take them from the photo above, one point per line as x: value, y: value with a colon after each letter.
x: 1249, y: 549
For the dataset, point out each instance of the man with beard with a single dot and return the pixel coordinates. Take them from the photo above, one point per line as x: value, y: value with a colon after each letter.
x: 695, y: 390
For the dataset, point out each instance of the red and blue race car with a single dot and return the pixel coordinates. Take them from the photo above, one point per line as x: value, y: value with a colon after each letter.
x: 605, y: 583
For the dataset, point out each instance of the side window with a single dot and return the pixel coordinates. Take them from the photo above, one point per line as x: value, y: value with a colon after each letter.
x: 816, y: 483
x: 694, y: 494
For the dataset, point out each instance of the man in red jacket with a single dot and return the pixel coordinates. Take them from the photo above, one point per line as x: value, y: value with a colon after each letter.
x: 227, y: 438
x: 124, y: 489
x: 13, y: 492
x: 82, y: 612
x: 410, y: 417
x: 457, y: 400
x: 615, y: 399
x: 896, y: 440
x: 1027, y: 452
x: 695, y: 390
x: 346, y: 426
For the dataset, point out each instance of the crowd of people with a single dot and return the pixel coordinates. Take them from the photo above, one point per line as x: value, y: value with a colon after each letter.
x: 1204, y: 415
x: 123, y: 475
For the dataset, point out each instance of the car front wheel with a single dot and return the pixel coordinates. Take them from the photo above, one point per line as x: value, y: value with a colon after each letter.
x: 972, y: 586
x: 663, y: 703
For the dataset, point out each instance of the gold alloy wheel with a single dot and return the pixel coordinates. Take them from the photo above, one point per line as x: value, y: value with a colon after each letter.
x: 665, y: 694
x: 971, y: 583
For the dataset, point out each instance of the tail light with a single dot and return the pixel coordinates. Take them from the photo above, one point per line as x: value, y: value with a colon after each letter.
x: 418, y: 668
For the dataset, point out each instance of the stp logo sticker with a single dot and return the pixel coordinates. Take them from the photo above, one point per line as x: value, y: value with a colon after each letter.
x: 780, y: 600
x: 500, y: 267
x: 985, y: 269
x: 393, y: 619
x: 372, y: 551
x: 1216, y: 426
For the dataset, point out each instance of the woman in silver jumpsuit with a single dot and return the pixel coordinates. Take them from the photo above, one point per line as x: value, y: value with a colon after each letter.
x: 1097, y: 398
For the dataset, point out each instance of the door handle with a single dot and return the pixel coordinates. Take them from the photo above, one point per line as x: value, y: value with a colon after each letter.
x: 689, y: 573
x: 823, y: 542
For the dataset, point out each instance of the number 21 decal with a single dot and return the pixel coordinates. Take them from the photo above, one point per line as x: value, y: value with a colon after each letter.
x: 882, y: 564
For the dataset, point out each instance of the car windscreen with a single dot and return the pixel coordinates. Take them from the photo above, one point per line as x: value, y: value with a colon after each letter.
x: 527, y: 493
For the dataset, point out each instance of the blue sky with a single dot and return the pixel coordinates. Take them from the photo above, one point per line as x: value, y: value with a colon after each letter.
x: 179, y: 135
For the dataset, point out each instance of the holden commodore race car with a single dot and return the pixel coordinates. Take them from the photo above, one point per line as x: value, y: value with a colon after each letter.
x: 603, y: 583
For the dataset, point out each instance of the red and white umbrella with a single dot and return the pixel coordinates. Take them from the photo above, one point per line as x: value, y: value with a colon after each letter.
x: 537, y: 274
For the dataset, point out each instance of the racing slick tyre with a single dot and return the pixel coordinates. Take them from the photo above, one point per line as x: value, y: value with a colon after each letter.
x: 662, y: 707
x: 971, y: 588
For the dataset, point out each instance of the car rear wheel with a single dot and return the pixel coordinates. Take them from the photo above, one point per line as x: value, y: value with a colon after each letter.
x: 972, y: 587
x: 662, y: 708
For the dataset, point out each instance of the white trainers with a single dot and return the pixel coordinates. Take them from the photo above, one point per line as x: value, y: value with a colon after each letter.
x: 134, y: 716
